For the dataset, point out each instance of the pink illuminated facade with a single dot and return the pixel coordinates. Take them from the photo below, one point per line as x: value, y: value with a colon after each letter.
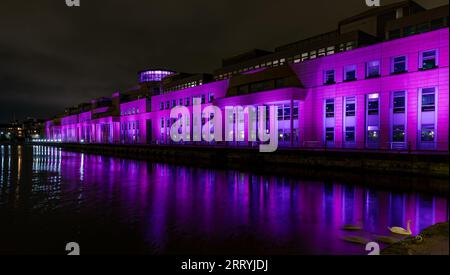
x: 392, y: 95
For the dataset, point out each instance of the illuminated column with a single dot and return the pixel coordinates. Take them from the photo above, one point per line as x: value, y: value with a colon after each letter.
x: 291, y: 122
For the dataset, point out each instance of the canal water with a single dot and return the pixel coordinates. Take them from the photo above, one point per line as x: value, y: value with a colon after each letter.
x: 49, y: 197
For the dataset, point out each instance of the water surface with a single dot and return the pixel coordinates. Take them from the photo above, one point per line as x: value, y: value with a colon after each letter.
x: 49, y: 197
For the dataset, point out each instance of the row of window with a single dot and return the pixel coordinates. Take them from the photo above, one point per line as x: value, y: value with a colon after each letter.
x: 184, y: 86
x: 186, y: 101
x: 427, y: 134
x: 428, y: 104
x: 130, y: 111
x: 427, y: 60
x: 313, y: 54
x: 419, y: 28
x: 284, y: 112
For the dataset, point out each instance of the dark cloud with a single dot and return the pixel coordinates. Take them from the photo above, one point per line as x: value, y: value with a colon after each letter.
x: 52, y: 56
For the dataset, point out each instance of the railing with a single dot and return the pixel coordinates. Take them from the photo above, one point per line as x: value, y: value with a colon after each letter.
x: 400, y: 147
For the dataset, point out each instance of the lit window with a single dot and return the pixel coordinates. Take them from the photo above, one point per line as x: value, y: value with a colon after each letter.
x: 287, y: 112
x: 329, y: 134
x: 330, y: 50
x: 312, y: 54
x: 373, y: 69
x: 428, y: 60
x: 350, y: 134
x: 349, y: 45
x: 321, y: 52
x: 398, y: 64
x: 350, y: 73
x: 304, y: 56
x: 373, y: 134
x: 329, y: 108
x: 372, y: 104
x: 329, y: 77
x: 280, y: 112
x: 427, y: 133
x: 399, y: 103
x: 350, y: 107
x: 428, y: 100
x: 295, y: 111
x: 398, y: 133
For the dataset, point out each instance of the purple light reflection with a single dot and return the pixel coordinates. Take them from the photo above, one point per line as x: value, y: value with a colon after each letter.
x: 142, y: 207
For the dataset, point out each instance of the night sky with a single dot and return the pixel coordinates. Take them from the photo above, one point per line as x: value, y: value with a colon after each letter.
x: 53, y: 56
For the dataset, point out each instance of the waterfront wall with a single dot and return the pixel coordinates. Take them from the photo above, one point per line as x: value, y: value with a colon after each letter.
x: 424, y: 169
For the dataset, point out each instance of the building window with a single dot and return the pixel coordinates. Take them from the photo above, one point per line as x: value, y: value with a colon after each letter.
x: 349, y: 45
x: 203, y: 99
x: 174, y: 103
x: 180, y: 102
x: 167, y: 104
x: 350, y: 73
x: 399, y: 103
x: 372, y: 105
x: 373, y: 69
x: 421, y: 28
x: 437, y: 24
x: 162, y: 122
x: 373, y: 134
x: 161, y: 105
x: 428, y: 100
x: 330, y: 50
x: 398, y: 64
x: 398, y: 133
x: 409, y: 30
x: 329, y: 77
x: 210, y: 97
x: 188, y: 101
x: 312, y: 54
x: 295, y: 111
x: 280, y: 112
x: 329, y: 134
x: 304, y: 56
x: 321, y: 52
x: 394, y: 34
x: 287, y: 112
x: 350, y: 134
x: 398, y: 13
x: 427, y: 133
x: 329, y: 108
x: 350, y: 107
x: 428, y: 60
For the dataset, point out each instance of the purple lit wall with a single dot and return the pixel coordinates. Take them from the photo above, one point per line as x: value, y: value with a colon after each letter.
x: 406, y: 110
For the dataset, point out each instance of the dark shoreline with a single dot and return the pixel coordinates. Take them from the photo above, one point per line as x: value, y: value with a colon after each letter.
x: 405, y: 172
x: 434, y: 241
